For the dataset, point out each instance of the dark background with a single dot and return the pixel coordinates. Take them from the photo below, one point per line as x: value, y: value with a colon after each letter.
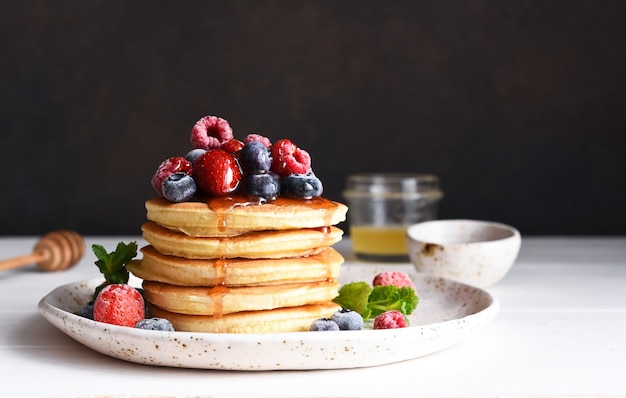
x: 518, y: 106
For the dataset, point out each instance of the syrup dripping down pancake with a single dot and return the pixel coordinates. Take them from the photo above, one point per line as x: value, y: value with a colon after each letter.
x: 263, y: 244
x: 234, y: 215
x: 221, y: 300
x: 158, y: 267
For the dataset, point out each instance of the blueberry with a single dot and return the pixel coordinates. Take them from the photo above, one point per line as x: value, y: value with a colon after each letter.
x: 301, y: 186
x: 262, y: 186
x: 155, y: 324
x: 86, y: 311
x: 194, y: 154
x: 255, y: 158
x: 179, y: 187
x: 348, y: 319
x: 324, y: 325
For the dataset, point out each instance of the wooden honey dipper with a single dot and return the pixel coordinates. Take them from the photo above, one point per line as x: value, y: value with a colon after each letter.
x: 55, y: 251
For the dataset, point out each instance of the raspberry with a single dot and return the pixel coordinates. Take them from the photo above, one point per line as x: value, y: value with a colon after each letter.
x: 210, y: 132
x: 167, y: 168
x: 397, y: 278
x: 288, y: 159
x: 390, y: 320
x: 217, y: 172
x: 258, y: 138
x: 119, y: 304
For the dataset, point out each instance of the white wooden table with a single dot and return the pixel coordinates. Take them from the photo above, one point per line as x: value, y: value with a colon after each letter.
x: 561, y: 331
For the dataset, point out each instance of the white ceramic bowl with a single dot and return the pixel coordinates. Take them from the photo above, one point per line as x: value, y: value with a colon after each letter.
x: 478, y: 253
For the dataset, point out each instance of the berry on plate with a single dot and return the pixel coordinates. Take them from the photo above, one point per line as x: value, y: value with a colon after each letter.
x: 390, y: 320
x: 210, y: 132
x: 287, y: 159
x: 217, y: 172
x: 324, y: 325
x: 119, y: 304
x: 167, y: 168
x: 348, y: 319
x: 86, y: 311
x: 396, y: 278
x: 161, y: 324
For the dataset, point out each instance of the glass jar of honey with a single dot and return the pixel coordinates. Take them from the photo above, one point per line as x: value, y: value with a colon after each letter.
x: 381, y: 208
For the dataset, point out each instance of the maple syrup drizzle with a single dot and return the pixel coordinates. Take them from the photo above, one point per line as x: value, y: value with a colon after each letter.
x: 325, y: 230
x: 222, y: 205
x: 217, y: 294
x: 220, y: 270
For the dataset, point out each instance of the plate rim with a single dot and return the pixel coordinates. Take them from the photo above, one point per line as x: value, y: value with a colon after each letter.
x: 67, y: 322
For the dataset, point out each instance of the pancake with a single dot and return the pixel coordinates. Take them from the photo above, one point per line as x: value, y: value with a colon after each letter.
x: 230, y: 216
x: 263, y: 244
x: 220, y: 300
x: 155, y: 266
x: 292, y: 319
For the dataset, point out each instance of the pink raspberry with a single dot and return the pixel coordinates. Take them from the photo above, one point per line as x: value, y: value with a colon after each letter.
x: 288, y: 159
x: 397, y: 278
x: 119, y: 304
x: 167, y: 168
x: 257, y: 137
x: 210, y: 132
x: 390, y: 320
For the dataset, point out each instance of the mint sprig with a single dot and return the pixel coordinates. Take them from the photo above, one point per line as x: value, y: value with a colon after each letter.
x: 373, y: 301
x: 113, y: 265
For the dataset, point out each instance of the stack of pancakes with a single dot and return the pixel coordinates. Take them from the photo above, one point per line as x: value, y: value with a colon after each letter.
x: 226, y: 265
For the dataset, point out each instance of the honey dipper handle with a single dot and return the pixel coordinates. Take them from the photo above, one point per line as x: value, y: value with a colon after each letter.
x: 20, y: 261
x: 55, y: 251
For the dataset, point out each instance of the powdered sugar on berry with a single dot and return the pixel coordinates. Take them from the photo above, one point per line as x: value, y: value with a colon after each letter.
x: 396, y: 278
x: 167, y: 168
x: 119, y: 304
x: 390, y: 320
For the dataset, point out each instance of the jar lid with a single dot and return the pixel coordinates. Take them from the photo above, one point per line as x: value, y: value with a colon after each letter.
x: 393, y: 186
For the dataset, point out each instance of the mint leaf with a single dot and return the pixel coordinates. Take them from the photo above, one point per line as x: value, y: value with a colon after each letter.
x: 354, y: 296
x: 113, y: 265
x: 388, y: 298
x: 371, y: 302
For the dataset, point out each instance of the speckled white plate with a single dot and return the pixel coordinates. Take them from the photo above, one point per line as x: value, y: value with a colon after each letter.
x: 447, y: 313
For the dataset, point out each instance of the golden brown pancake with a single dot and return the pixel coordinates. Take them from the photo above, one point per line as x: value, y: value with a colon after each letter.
x: 226, y: 265
x: 291, y: 319
x: 155, y: 266
x: 229, y: 216
x: 220, y: 300
x: 263, y: 244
